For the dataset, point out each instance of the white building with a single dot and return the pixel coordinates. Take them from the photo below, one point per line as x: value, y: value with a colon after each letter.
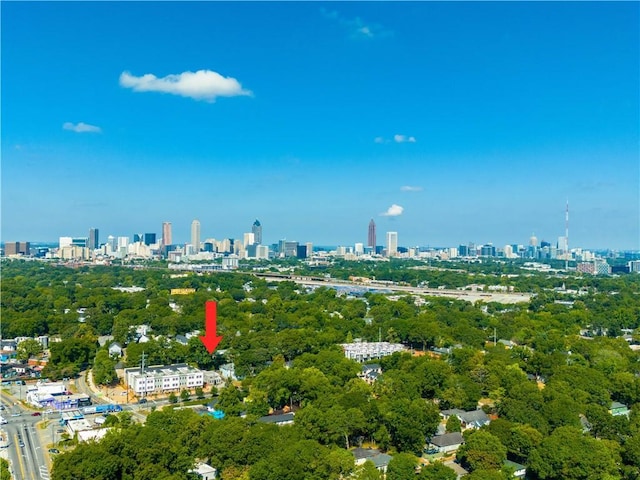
x: 195, y: 235
x: 392, y: 244
x: 163, y: 378
x: 205, y: 471
x: 364, y: 351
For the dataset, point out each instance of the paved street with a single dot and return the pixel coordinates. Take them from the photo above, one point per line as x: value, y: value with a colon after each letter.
x: 23, y: 443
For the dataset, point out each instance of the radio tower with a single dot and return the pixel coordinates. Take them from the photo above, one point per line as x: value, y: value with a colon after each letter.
x: 566, y: 238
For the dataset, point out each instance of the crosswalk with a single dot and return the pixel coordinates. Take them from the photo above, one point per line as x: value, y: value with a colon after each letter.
x: 44, y: 473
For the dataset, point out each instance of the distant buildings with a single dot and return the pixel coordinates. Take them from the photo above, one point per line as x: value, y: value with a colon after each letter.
x: 256, y: 229
x: 392, y: 244
x: 94, y: 239
x: 17, y: 248
x: 195, y: 235
x: 371, y: 237
x: 166, y: 234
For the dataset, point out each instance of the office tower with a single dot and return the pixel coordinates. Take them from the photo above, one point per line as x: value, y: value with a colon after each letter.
x: 309, y: 249
x: 111, y: 242
x: 359, y: 249
x: 195, y: 235
x: 149, y: 238
x: 249, y: 239
x: 371, y: 238
x: 17, y: 248
x: 392, y: 243
x: 256, y: 229
x: 301, y: 251
x: 533, y: 241
x: 93, y: 239
x: 166, y: 234
x: 137, y: 237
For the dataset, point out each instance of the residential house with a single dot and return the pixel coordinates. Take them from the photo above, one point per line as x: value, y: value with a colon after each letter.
x: 282, y: 419
x: 449, y: 442
x: 228, y: 371
x: 115, y: 350
x: 182, y: 340
x: 370, y: 373
x: 205, y: 471
x: 519, y: 470
x: 380, y: 460
x: 474, y: 419
x: 618, y: 408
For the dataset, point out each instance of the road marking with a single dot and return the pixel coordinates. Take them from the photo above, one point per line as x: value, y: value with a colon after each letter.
x: 15, y: 438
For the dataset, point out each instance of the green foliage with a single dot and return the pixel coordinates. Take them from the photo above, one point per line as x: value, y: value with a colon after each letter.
x: 173, y: 398
x: 402, y: 467
x: 184, y: 395
x: 453, y: 424
x: 568, y: 454
x: 482, y: 451
x: 4, y: 470
x: 104, y: 372
x: 28, y: 348
x: 437, y: 471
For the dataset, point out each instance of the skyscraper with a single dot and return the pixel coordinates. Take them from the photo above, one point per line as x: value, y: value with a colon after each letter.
x: 392, y: 244
x: 149, y: 238
x: 256, y: 229
x: 195, y: 235
x: 93, y: 242
x: 166, y: 233
x: 371, y: 238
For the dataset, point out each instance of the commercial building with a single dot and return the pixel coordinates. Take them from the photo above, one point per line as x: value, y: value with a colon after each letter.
x: 166, y: 234
x: 371, y: 237
x: 163, y: 378
x: 195, y: 235
x: 17, y: 248
x: 256, y: 229
x: 94, y: 238
x: 392, y: 244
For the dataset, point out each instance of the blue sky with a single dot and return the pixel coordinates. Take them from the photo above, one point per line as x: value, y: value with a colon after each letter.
x: 312, y: 117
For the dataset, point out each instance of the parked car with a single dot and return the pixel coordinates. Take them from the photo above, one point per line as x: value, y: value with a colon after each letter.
x: 142, y: 400
x: 54, y: 451
x: 36, y: 414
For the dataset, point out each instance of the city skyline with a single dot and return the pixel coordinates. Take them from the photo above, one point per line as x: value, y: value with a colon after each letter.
x: 446, y: 122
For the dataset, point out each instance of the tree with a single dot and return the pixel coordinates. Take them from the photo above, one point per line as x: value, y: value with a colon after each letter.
x: 482, y: 451
x: 367, y: 471
x: 104, y: 372
x: 453, y: 424
x: 184, y: 395
x: 199, y: 393
x: 567, y: 454
x: 437, y: 471
x: 173, y: 398
x: 402, y: 467
x: 4, y: 470
x: 28, y: 348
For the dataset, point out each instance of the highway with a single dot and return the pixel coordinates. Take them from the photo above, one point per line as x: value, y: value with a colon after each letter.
x: 468, y: 295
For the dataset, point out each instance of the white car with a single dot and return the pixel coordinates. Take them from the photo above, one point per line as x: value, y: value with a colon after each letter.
x: 3, y: 421
x: 48, y: 411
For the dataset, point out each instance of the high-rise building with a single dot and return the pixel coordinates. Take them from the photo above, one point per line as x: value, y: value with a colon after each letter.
x: 137, y: 237
x: 195, y: 235
x: 249, y: 239
x: 94, y: 237
x: 371, y: 238
x: 166, y: 234
x: 256, y: 229
x: 17, y: 248
x: 392, y: 244
x: 149, y: 238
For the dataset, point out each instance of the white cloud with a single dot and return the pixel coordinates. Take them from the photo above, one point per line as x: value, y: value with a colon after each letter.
x: 409, y: 188
x: 81, y: 127
x: 357, y: 27
x: 201, y: 85
x: 393, y: 211
x: 403, y: 139
x: 379, y: 140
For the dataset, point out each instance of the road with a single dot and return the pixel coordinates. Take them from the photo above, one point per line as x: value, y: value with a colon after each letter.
x: 24, y: 449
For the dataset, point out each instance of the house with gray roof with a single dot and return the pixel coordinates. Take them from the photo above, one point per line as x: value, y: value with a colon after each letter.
x: 449, y: 442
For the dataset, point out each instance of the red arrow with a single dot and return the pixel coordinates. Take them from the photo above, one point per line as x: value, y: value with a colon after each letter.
x: 210, y: 340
